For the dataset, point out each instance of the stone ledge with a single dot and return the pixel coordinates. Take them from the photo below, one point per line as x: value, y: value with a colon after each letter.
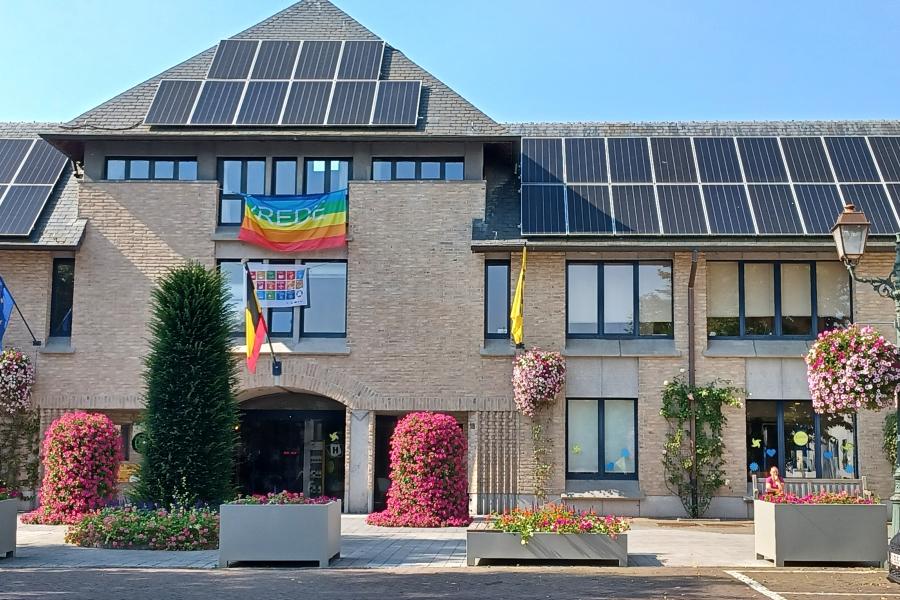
x: 57, y: 346
x: 594, y: 489
x: 497, y: 348
x: 627, y: 348
x: 757, y: 348
x: 317, y: 346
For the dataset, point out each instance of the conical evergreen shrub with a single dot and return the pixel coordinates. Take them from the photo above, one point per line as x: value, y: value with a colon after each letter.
x: 191, y: 411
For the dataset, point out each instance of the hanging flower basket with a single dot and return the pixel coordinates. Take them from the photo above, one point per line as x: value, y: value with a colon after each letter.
x: 16, y: 380
x: 538, y: 377
x: 852, y: 368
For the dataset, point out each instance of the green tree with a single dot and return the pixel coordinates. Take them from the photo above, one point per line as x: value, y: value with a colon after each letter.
x: 191, y: 416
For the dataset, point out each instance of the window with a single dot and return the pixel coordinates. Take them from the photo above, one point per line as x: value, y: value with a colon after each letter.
x: 619, y: 299
x: 136, y: 169
x: 239, y: 176
x: 281, y: 319
x: 233, y: 272
x: 325, y: 175
x: 496, y: 299
x: 776, y: 299
x: 789, y: 435
x: 62, y: 289
x: 400, y: 169
x: 284, y: 177
x: 601, y: 438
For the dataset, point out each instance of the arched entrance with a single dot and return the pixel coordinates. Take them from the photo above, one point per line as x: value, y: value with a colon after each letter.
x: 291, y: 441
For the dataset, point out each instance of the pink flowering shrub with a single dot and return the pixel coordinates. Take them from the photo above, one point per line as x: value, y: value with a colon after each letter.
x: 16, y: 380
x: 428, y: 474
x: 133, y: 528
x: 81, y: 455
x: 852, y: 368
x: 557, y: 518
x: 283, y: 497
x: 819, y: 498
x: 538, y: 377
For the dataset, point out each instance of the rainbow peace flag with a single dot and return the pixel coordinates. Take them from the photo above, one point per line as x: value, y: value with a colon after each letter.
x: 295, y: 223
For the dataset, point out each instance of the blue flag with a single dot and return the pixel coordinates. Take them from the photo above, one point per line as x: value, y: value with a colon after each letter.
x: 6, y: 306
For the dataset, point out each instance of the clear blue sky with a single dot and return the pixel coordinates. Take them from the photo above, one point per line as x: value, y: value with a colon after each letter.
x: 518, y: 60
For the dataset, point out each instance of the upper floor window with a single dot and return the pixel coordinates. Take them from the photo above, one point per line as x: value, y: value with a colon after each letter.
x: 239, y: 176
x: 284, y: 177
x: 399, y: 169
x: 776, y: 299
x: 325, y: 175
x: 180, y: 169
x: 496, y: 299
x: 624, y: 299
x: 62, y: 289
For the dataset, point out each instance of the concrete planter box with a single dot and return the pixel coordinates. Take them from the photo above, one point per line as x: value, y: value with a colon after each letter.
x: 8, y: 509
x: 285, y: 532
x: 487, y: 544
x: 820, y: 532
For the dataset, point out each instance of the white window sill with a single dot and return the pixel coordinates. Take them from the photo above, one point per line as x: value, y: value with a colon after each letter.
x: 625, y: 347
x: 57, y: 346
x: 757, y: 348
x: 603, y: 489
x: 498, y: 347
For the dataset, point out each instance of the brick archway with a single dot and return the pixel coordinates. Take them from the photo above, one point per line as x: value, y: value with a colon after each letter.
x: 310, y: 378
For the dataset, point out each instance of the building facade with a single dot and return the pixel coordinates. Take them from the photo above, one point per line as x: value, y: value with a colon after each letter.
x: 624, y: 222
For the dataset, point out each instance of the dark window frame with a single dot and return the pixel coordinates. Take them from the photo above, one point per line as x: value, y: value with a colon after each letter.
x: 273, y: 184
x: 151, y: 172
x: 497, y: 263
x: 778, y: 328
x: 418, y: 167
x: 302, y: 320
x: 220, y: 175
x: 309, y: 159
x: 601, y: 474
x: 63, y: 332
x: 601, y: 290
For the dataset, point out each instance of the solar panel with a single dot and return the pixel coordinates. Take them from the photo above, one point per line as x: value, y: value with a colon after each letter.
x: 233, y: 59
x: 307, y: 103
x: 361, y: 60
x: 806, y: 159
x: 43, y: 164
x: 275, y: 59
x: 218, y: 102
x: 351, y: 103
x: 397, y: 103
x: 762, y: 160
x: 681, y: 209
x: 589, y: 209
x: 543, y: 209
x: 820, y: 205
x: 586, y: 160
x: 673, y: 160
x: 629, y: 160
x: 542, y: 160
x: 894, y: 191
x: 635, y: 209
x: 173, y: 102
x: 262, y: 103
x: 850, y: 159
x: 12, y: 151
x: 776, y: 212
x: 872, y: 200
x: 728, y: 209
x: 318, y: 60
x: 887, y: 153
x: 20, y: 208
x: 717, y: 160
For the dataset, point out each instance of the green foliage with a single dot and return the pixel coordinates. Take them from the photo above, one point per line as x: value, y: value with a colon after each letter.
x: 20, y: 449
x: 191, y: 415
x: 542, y: 467
x: 889, y: 440
x: 680, y: 404
x: 152, y: 529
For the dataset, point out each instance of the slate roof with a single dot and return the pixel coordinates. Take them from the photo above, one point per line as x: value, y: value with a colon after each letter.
x: 446, y: 113
x: 58, y: 227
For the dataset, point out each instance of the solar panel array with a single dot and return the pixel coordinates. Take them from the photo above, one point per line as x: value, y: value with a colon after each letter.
x: 289, y: 83
x: 29, y: 168
x: 707, y: 185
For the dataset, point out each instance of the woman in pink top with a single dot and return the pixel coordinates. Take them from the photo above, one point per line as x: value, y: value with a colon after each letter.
x: 774, y: 482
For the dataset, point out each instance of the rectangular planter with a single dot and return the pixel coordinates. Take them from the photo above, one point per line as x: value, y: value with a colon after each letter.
x: 286, y: 532
x: 8, y: 509
x: 487, y: 544
x: 820, y: 532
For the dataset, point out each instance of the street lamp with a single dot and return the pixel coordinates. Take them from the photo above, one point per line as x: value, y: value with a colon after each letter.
x: 850, y: 233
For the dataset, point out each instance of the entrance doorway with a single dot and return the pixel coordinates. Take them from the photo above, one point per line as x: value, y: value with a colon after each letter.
x: 384, y: 429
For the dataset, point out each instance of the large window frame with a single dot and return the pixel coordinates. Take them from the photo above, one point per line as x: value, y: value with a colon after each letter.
x: 327, y: 185
x: 220, y: 174
x: 636, y: 334
x: 489, y: 335
x: 273, y: 183
x: 778, y: 327
x: 602, y: 473
x: 61, y: 328
x: 443, y: 161
x: 151, y: 169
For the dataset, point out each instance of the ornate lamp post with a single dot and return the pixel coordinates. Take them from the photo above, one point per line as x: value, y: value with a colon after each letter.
x: 850, y: 233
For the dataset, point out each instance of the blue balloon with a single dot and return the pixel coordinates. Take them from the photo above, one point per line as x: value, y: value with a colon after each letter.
x: 754, y: 467
x: 610, y: 466
x: 849, y: 469
x: 625, y: 453
x: 828, y: 454
x: 771, y: 452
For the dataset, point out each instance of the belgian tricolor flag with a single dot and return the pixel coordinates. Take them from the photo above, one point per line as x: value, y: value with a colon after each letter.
x: 256, y: 323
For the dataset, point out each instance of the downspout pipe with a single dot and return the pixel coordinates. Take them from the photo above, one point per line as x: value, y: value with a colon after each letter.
x: 691, y: 380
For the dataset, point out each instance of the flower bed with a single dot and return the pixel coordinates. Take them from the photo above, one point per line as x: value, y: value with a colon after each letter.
x: 818, y: 498
x: 148, y: 529
x: 284, y: 497
x: 551, y: 532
